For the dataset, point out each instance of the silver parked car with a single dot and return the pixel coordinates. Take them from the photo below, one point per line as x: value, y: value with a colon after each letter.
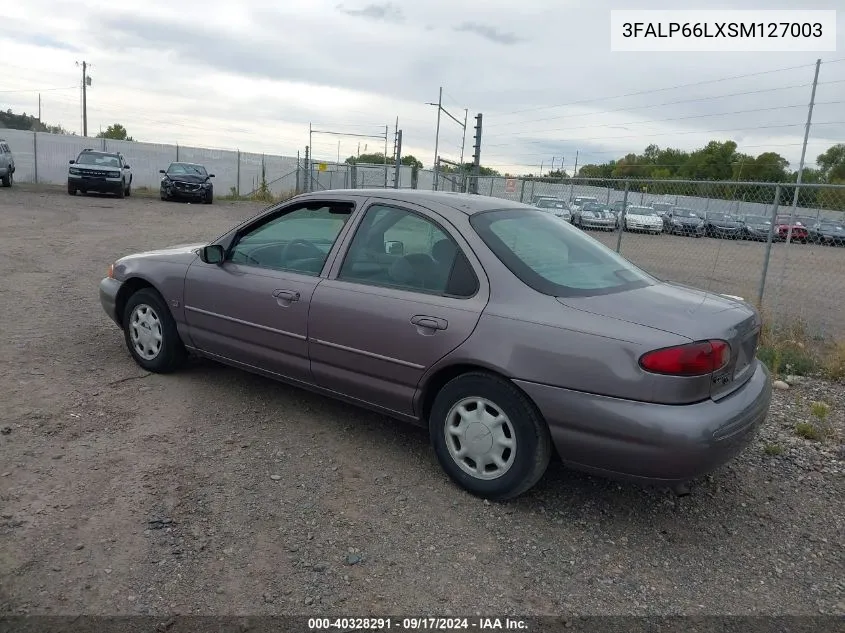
x: 557, y: 207
x: 505, y: 332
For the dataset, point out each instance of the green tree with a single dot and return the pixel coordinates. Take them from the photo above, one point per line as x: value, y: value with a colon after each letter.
x: 832, y: 163
x: 116, y: 132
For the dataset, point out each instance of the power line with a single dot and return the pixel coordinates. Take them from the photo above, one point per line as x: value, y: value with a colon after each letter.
x: 668, y: 103
x: 41, y: 89
x: 668, y: 88
x: 681, y: 118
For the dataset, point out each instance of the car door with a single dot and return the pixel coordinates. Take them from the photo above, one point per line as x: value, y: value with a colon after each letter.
x: 253, y: 308
x: 407, y: 292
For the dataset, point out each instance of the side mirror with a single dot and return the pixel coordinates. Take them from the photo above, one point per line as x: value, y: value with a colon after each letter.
x: 212, y: 254
x: 126, y: 166
x: 211, y: 175
x: 161, y: 171
x: 71, y: 162
x: 394, y: 248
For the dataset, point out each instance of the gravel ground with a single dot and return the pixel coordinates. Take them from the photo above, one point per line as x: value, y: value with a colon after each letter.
x: 213, y: 491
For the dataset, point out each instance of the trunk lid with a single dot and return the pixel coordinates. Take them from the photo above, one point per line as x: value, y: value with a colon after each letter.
x: 691, y: 313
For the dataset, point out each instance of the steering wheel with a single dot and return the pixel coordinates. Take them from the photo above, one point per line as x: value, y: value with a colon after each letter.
x: 310, y: 246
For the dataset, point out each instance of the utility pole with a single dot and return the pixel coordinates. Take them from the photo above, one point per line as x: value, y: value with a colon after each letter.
x: 86, y: 81
x: 440, y: 109
x: 39, y: 107
x: 575, y: 171
x: 437, y: 134
x: 476, y: 155
x: 803, y: 151
x: 398, y: 159
x: 463, y: 144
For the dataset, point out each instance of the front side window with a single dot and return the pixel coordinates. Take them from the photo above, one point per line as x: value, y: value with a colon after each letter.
x: 553, y: 257
x: 297, y: 241
x: 397, y: 248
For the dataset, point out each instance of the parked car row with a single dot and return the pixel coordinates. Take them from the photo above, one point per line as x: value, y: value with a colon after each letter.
x: 108, y: 172
x: 587, y: 212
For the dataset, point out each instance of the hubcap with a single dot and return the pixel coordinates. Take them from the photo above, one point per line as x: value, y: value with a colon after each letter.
x: 480, y: 438
x: 145, y: 332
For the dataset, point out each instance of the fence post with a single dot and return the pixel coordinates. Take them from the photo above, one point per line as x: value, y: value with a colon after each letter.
x: 35, y: 155
x: 622, y: 216
x: 492, y: 179
x: 297, y: 173
x: 608, y: 196
x: 238, y: 183
x: 768, y: 255
x: 177, y: 152
x: 522, y: 191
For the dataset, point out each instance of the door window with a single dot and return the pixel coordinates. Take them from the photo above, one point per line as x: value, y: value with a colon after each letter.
x: 297, y: 241
x: 397, y: 248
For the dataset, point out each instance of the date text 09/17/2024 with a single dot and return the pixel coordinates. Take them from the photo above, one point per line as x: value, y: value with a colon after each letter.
x: 723, y: 29
x: 416, y: 624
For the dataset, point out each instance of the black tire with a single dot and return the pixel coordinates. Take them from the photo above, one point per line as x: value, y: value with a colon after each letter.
x: 171, y: 354
x: 128, y: 190
x: 71, y: 190
x: 8, y: 180
x: 121, y: 193
x: 209, y: 199
x: 533, y: 441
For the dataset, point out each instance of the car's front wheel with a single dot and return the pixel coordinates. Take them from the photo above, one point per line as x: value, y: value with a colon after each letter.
x: 488, y: 436
x: 151, y: 334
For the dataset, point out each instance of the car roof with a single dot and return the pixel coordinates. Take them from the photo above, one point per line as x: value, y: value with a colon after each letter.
x: 182, y: 162
x: 465, y: 203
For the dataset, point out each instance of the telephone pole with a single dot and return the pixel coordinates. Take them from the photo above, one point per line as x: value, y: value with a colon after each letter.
x: 476, y: 155
x: 463, y: 125
x: 86, y: 81
x: 39, y: 107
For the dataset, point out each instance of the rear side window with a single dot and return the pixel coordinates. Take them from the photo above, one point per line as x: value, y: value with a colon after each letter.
x: 553, y: 257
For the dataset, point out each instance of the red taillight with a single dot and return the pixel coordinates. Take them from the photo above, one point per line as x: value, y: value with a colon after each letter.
x: 693, y: 359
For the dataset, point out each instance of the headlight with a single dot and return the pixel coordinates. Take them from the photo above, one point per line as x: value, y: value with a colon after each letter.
x: 114, y: 174
x: 74, y: 171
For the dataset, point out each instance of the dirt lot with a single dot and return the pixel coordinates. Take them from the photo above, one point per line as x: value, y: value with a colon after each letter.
x: 214, y: 491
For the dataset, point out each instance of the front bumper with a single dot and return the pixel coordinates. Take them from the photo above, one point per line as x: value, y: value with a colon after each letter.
x: 641, y: 226
x: 592, y: 223
x: 109, y: 289
x: 652, y: 443
x: 94, y: 183
x: 686, y: 229
x: 185, y: 193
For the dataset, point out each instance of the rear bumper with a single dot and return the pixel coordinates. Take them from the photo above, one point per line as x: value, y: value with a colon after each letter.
x: 109, y: 288
x: 652, y: 443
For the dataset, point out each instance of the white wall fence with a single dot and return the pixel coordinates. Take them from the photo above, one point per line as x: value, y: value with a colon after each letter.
x: 43, y: 158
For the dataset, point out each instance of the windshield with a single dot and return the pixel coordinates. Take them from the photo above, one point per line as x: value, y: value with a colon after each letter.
x: 553, y: 257
x: 720, y: 216
x: 550, y: 203
x: 585, y: 200
x: 596, y: 208
x: 186, y: 169
x: 684, y: 213
x: 831, y: 226
x: 757, y: 219
x: 641, y: 211
x: 99, y: 159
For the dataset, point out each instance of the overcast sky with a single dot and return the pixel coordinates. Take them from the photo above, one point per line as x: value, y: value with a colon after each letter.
x: 244, y: 75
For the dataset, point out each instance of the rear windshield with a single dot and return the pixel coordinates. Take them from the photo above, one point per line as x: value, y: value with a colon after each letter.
x: 685, y: 213
x: 553, y: 257
x: 549, y: 203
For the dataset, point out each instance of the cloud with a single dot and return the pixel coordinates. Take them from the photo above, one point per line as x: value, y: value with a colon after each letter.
x: 254, y: 77
x: 387, y: 12
x: 490, y: 33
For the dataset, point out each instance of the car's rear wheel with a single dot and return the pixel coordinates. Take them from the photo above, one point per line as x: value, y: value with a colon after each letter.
x: 488, y: 436
x: 151, y: 334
